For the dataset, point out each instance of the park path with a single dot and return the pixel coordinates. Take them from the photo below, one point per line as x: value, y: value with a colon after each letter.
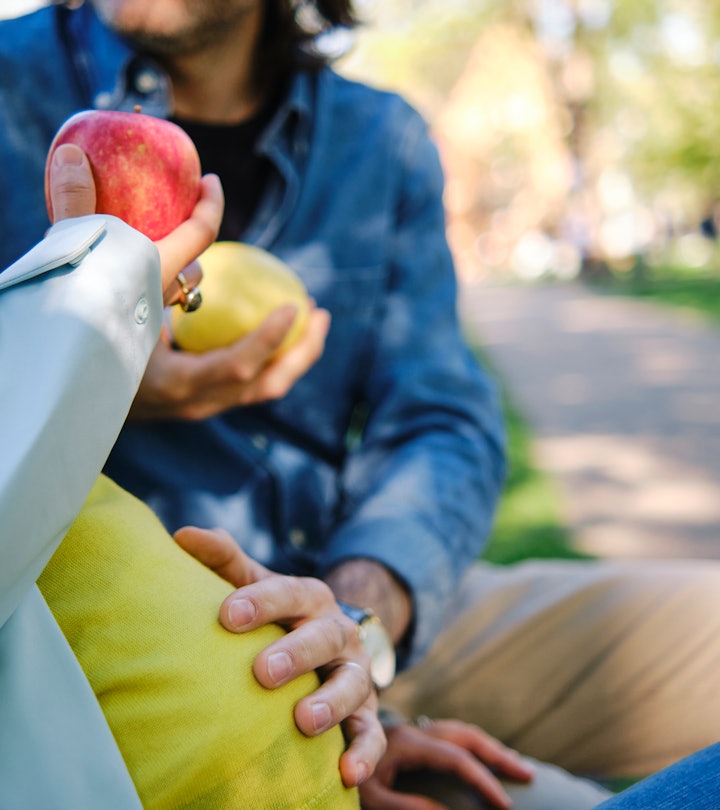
x: 624, y: 400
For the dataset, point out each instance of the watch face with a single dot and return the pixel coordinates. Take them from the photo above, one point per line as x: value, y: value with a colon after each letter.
x: 379, y: 648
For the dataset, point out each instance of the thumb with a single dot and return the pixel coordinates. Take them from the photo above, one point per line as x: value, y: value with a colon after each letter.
x: 217, y: 550
x: 71, y: 186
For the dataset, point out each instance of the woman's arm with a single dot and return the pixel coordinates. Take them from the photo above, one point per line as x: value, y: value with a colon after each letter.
x: 74, y: 342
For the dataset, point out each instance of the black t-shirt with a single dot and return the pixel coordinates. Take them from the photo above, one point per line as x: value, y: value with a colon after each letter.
x: 229, y: 152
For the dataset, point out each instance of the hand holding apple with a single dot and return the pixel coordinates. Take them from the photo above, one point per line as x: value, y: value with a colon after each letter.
x: 146, y: 169
x: 71, y: 188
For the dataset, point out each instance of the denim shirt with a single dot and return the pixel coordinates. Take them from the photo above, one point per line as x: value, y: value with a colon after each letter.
x: 391, y: 447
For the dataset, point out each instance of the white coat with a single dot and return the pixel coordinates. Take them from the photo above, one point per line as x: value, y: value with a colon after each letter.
x: 79, y: 317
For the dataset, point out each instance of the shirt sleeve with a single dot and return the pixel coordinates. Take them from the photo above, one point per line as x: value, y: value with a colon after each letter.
x: 79, y: 317
x: 421, y: 487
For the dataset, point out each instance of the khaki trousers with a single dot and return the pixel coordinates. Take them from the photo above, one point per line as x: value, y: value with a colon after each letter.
x: 604, y: 668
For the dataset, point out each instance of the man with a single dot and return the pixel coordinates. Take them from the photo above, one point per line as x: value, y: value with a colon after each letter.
x: 379, y: 470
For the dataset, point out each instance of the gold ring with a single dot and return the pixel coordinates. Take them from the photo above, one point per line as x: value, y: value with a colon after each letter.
x: 192, y: 297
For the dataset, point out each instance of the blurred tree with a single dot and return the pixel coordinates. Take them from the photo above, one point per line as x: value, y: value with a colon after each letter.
x: 623, y: 100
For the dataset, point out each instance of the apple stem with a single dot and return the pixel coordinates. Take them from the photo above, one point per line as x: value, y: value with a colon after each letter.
x: 137, y: 108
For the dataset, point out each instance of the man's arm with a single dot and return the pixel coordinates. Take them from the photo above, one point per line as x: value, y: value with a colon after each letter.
x: 420, y: 488
x: 368, y: 583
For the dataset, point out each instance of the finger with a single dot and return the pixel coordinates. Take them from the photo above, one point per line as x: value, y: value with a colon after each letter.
x: 216, y: 549
x: 256, y: 349
x: 281, y: 599
x: 71, y: 184
x: 440, y: 755
x: 491, y: 751
x: 190, y: 239
x: 314, y: 644
x: 292, y: 364
x: 375, y: 795
x: 233, y: 373
x: 502, y: 759
x: 366, y: 745
x: 173, y: 294
x: 344, y: 692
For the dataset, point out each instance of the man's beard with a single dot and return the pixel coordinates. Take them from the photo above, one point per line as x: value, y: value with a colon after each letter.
x: 206, y: 23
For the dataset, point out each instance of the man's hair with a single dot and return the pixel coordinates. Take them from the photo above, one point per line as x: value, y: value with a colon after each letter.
x: 290, y: 36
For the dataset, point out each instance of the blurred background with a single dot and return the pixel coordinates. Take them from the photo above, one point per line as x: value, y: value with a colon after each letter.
x: 576, y: 134
x: 580, y: 145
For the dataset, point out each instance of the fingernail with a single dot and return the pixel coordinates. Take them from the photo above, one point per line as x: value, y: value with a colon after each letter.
x: 279, y: 666
x: 322, y: 717
x: 361, y: 773
x: 522, y: 762
x: 241, y: 612
x: 68, y: 155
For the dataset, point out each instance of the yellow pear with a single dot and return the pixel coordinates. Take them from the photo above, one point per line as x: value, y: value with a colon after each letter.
x: 242, y: 284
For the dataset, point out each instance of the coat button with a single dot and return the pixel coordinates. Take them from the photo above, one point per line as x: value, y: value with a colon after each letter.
x: 142, y: 311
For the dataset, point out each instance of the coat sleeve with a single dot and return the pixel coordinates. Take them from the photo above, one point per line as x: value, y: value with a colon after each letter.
x: 79, y: 316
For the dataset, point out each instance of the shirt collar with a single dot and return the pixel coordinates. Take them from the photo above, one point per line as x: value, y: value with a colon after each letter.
x: 114, y: 77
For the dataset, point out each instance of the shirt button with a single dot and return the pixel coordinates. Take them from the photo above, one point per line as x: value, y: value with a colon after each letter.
x: 146, y: 82
x: 298, y: 538
x: 103, y: 100
x: 260, y: 441
x: 142, y: 311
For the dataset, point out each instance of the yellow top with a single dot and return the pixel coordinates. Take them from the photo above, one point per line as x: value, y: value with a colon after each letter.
x: 195, y: 728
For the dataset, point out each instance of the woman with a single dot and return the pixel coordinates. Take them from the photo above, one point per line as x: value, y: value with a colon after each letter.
x: 84, y: 309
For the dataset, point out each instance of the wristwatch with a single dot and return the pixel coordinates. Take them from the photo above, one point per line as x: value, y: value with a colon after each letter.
x: 376, y: 642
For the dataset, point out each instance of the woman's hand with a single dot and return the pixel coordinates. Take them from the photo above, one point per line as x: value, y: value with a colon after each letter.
x: 320, y: 637
x: 72, y: 192
x: 184, y: 385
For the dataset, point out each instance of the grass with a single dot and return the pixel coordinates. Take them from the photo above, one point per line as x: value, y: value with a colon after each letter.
x: 529, y: 521
x: 677, y: 285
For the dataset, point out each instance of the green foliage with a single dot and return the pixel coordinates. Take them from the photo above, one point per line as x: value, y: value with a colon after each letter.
x: 655, y: 79
x: 421, y: 48
x: 676, y: 286
x: 529, y: 522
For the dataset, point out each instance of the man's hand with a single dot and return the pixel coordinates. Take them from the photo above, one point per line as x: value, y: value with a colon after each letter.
x: 183, y: 385
x: 448, y: 746
x: 320, y: 637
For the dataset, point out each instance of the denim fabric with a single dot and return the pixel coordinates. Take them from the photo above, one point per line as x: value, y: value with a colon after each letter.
x: 354, y: 205
x: 694, y: 782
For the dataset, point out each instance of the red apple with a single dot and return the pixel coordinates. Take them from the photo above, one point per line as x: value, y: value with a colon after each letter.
x: 146, y: 170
